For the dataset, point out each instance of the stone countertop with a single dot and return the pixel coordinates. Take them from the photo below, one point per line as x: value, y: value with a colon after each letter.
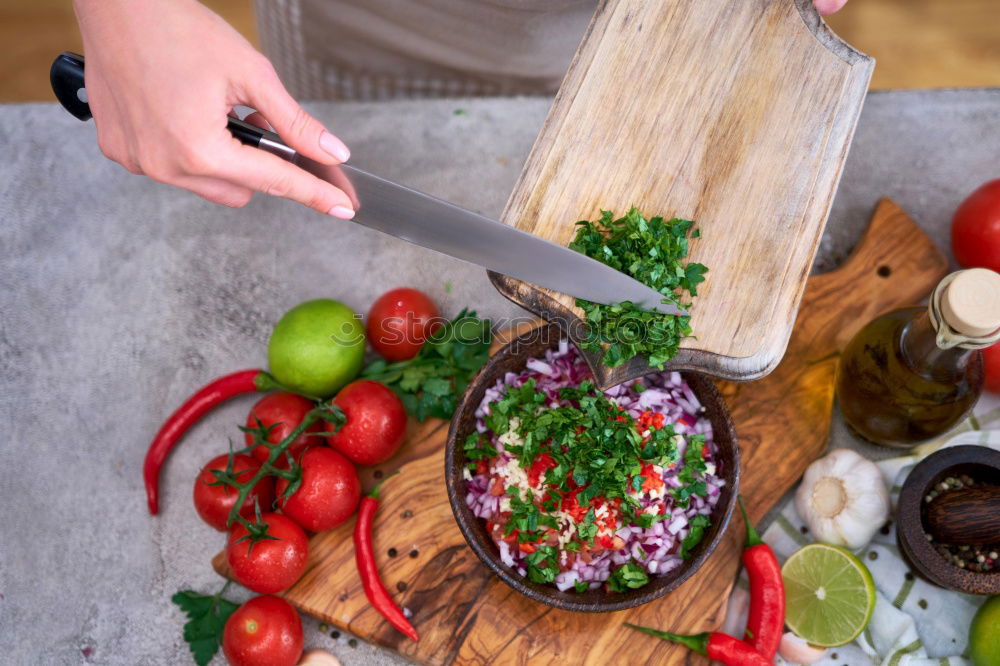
x: 118, y: 297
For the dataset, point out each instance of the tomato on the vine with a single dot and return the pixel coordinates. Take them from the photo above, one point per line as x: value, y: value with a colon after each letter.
x: 214, y: 502
x: 282, y: 412
x: 375, y: 426
x: 265, y: 631
x: 270, y: 565
x: 328, y: 494
x: 991, y: 364
x: 399, y: 321
x: 975, y: 229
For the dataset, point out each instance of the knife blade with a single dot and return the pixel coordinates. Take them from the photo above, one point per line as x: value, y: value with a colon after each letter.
x: 425, y: 220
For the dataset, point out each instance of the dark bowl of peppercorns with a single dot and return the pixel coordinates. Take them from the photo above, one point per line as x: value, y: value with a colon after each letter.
x: 947, y: 519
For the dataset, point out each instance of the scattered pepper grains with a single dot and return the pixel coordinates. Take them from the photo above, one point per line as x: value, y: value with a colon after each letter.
x: 980, y: 558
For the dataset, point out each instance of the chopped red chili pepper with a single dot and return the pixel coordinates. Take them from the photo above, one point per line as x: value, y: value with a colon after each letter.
x: 651, y: 479
x: 543, y: 462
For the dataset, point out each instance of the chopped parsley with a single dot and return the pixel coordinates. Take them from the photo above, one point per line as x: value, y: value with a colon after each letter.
x: 629, y: 576
x: 698, y: 526
x: 651, y: 251
x: 588, y: 435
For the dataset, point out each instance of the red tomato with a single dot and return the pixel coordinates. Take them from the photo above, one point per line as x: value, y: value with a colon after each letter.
x: 213, y: 503
x: 376, y: 422
x: 272, y: 565
x: 399, y: 322
x: 329, y: 493
x: 285, y: 412
x: 265, y: 631
x: 991, y: 364
x: 975, y: 229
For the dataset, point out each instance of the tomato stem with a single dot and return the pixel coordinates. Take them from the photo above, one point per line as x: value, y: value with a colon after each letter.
x: 753, y: 538
x: 327, y: 412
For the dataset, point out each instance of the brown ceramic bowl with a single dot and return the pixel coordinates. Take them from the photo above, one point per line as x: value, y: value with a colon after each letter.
x: 512, y: 358
x: 983, y: 465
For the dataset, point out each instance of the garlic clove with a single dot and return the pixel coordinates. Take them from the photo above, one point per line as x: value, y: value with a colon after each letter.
x: 318, y: 657
x: 797, y: 651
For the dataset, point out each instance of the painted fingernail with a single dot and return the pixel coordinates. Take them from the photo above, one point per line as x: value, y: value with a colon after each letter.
x: 343, y: 212
x: 334, y: 146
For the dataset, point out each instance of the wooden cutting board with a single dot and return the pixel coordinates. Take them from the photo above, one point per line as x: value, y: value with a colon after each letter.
x: 737, y: 115
x: 466, y: 615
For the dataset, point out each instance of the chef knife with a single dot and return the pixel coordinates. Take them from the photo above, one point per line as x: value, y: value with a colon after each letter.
x: 425, y: 220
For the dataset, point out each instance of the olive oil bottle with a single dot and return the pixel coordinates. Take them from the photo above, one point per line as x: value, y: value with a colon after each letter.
x: 913, y: 374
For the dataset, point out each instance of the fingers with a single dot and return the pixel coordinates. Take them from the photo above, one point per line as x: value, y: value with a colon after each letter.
x: 267, y: 173
x: 259, y: 120
x: 827, y: 7
x: 216, y: 190
x: 265, y: 92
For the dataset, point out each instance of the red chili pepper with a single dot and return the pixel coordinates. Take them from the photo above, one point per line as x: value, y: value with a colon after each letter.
x: 222, y: 389
x: 717, y: 646
x: 766, y: 617
x: 364, y: 555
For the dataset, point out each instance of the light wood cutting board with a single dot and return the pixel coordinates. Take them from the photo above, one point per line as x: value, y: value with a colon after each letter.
x: 735, y: 114
x: 465, y: 615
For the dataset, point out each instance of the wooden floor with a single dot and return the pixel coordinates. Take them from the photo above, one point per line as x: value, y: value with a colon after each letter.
x: 917, y: 43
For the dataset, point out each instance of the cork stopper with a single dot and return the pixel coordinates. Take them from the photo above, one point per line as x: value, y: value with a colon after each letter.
x: 970, y: 303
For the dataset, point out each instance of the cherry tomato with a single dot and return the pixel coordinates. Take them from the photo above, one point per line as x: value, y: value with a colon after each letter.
x: 399, y: 322
x: 285, y: 412
x: 991, y: 363
x: 213, y: 503
x: 271, y: 565
x: 975, y: 229
x: 376, y: 422
x: 329, y: 492
x: 265, y: 631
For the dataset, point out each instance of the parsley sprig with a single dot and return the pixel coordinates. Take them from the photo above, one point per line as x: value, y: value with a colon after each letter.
x: 431, y: 383
x: 207, y: 617
x: 651, y: 251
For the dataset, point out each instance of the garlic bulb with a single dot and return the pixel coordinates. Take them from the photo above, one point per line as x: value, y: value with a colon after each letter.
x: 795, y: 650
x: 843, y: 499
x: 319, y: 657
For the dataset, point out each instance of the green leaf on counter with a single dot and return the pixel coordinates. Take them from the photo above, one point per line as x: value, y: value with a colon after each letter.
x: 207, y: 617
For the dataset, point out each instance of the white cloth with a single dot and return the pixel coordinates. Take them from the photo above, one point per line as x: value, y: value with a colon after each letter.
x: 915, y: 623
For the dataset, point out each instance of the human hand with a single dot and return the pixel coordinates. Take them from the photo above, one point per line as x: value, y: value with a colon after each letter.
x: 827, y: 7
x: 161, y: 79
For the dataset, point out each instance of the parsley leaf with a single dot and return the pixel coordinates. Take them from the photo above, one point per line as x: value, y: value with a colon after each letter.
x: 581, y: 586
x: 543, y: 565
x: 651, y: 251
x: 431, y: 383
x: 698, y: 526
x: 629, y: 576
x: 207, y: 616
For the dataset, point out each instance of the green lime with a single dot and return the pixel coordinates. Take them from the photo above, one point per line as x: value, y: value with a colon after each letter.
x: 317, y: 347
x: 984, y: 634
x: 829, y: 593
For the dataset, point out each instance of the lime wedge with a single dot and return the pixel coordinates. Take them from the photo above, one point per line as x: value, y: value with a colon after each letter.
x: 829, y: 594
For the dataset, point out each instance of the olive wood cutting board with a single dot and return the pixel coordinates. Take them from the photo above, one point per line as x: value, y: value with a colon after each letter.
x: 737, y: 115
x: 465, y: 615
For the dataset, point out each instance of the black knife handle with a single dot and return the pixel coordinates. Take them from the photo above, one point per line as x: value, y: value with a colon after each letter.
x: 67, y: 78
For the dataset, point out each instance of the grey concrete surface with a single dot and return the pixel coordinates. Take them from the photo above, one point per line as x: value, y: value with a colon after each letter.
x: 119, y: 296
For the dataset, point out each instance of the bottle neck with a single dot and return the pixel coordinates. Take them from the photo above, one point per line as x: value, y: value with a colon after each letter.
x: 918, y: 344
